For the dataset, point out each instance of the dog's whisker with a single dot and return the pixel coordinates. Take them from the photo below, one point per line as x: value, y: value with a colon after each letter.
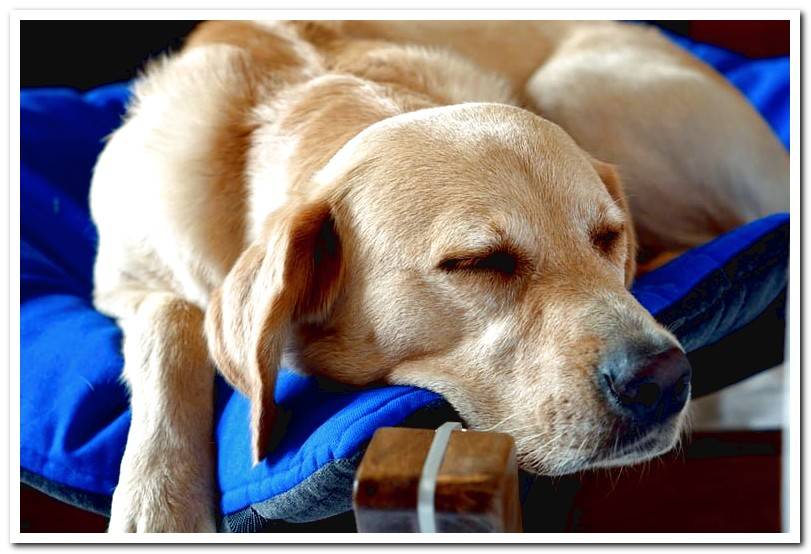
x: 502, y: 422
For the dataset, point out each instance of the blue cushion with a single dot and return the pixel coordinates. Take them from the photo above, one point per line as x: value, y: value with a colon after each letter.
x: 74, y: 413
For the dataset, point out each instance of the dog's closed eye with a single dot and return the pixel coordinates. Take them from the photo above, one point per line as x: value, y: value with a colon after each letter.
x: 606, y: 239
x: 501, y: 261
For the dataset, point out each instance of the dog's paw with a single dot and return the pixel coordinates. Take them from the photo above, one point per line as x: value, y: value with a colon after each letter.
x: 153, y: 505
x: 163, y: 492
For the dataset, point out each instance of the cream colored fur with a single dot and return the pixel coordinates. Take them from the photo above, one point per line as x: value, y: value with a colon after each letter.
x: 319, y: 191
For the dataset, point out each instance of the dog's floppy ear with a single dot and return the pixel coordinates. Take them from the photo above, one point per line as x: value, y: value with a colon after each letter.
x: 292, y: 271
x: 609, y: 176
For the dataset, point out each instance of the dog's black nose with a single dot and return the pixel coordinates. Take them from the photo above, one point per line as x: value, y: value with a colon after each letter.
x: 647, y: 388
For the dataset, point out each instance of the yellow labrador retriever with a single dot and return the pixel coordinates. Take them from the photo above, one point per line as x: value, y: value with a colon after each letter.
x: 417, y: 203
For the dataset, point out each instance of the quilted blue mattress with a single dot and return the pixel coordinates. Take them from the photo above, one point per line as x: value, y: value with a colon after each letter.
x: 74, y: 412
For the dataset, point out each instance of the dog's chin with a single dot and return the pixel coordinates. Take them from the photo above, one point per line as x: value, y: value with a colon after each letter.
x: 648, y: 445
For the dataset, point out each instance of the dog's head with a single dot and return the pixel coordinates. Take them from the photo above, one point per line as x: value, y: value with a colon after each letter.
x: 477, y: 251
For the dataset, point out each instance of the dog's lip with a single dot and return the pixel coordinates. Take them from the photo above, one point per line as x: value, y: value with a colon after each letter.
x: 636, y: 443
x: 642, y: 445
x: 636, y: 447
x: 630, y: 435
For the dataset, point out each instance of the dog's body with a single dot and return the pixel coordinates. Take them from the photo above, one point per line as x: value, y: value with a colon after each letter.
x: 381, y: 212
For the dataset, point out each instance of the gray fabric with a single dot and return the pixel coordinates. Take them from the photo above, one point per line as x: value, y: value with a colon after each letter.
x: 92, y: 502
x: 325, y: 493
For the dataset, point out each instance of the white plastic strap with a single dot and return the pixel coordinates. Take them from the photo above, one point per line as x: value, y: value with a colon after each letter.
x: 426, y: 516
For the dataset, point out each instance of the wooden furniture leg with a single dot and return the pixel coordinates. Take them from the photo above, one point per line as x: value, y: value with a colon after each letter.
x: 476, y: 486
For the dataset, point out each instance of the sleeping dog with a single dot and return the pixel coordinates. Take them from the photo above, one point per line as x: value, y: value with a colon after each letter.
x: 458, y: 206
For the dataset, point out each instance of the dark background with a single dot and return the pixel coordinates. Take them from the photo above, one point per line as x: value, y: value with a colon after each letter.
x: 85, y: 54
x: 91, y: 53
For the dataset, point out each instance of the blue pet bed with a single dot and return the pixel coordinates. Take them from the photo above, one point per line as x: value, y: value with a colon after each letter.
x: 727, y: 296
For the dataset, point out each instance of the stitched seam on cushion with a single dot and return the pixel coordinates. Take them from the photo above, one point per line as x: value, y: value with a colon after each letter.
x: 241, y: 489
x: 295, y: 468
x: 709, y: 309
x: 768, y: 265
x: 246, y: 488
x: 295, y: 463
x: 705, y: 315
x: 658, y: 296
x: 345, y: 463
x: 720, y: 267
x: 669, y: 303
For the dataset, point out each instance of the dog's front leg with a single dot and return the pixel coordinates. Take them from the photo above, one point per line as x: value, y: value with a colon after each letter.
x: 167, y: 473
